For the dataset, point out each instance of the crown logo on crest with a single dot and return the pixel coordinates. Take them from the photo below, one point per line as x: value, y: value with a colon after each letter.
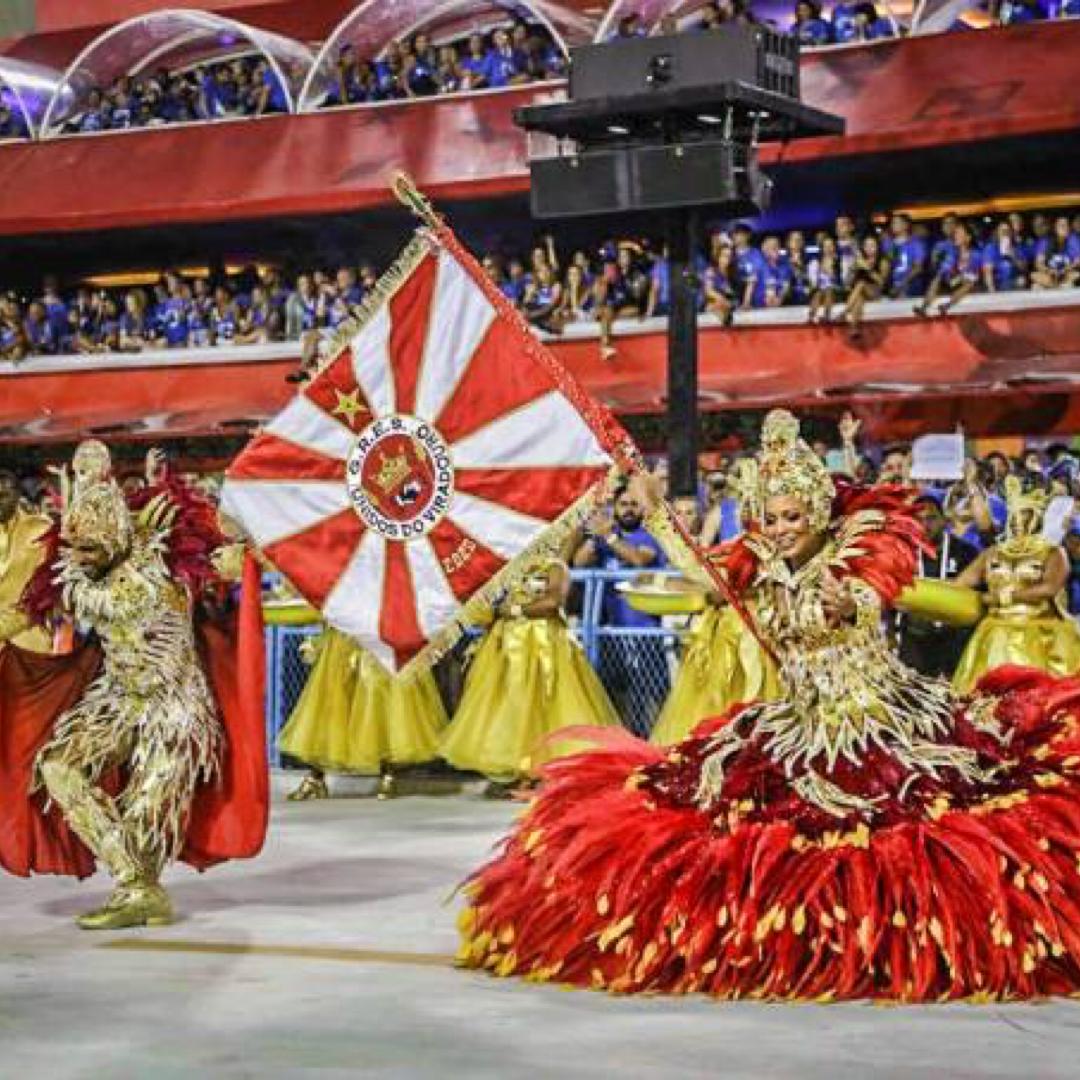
x: 393, y: 469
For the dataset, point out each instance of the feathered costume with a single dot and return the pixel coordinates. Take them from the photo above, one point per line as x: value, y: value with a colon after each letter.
x: 103, y: 752
x: 869, y: 834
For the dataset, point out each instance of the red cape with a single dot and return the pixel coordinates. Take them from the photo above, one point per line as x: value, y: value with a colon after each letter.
x: 228, y: 817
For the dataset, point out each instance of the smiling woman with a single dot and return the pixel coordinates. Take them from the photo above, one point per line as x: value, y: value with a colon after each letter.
x: 869, y: 833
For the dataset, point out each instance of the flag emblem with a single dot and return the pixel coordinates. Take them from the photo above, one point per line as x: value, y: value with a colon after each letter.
x: 400, y: 477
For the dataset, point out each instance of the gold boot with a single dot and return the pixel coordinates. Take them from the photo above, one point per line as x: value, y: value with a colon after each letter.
x: 131, y: 905
x: 387, y: 786
x: 311, y: 787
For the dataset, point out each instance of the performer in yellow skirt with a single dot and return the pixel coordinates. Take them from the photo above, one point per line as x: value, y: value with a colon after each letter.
x: 354, y: 717
x: 1025, y: 577
x: 529, y: 679
x: 722, y: 665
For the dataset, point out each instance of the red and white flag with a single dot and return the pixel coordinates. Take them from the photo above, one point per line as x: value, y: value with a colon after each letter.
x: 439, y: 444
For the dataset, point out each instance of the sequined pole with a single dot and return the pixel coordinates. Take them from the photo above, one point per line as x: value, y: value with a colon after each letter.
x: 682, y: 414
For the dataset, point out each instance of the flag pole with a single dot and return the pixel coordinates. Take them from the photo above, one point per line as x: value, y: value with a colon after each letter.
x: 626, y: 455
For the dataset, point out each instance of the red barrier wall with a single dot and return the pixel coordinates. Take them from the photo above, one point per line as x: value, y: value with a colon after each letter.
x: 997, y: 373
x: 947, y: 90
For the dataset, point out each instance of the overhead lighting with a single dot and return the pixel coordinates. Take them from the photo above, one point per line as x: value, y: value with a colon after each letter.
x: 708, y: 118
x: 618, y: 129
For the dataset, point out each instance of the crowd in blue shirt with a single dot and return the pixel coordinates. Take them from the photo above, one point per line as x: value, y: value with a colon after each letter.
x: 255, y: 306
x: 933, y: 266
x: 245, y: 86
x: 506, y: 56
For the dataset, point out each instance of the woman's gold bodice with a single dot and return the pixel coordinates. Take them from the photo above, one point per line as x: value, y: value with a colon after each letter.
x: 1014, y: 565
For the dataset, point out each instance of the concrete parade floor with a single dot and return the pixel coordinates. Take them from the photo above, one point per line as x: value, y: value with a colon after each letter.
x: 331, y: 955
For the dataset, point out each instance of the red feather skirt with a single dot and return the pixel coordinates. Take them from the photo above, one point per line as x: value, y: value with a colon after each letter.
x: 616, y: 879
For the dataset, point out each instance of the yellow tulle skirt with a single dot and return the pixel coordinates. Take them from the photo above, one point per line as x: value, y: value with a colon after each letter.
x: 353, y: 717
x: 723, y: 665
x: 1049, y: 643
x: 528, y: 679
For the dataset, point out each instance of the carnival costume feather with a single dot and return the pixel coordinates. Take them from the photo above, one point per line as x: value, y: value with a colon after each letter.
x: 869, y: 834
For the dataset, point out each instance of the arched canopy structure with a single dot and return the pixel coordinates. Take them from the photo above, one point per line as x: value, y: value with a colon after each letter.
x: 373, y: 24
x: 172, y: 39
x: 26, y: 90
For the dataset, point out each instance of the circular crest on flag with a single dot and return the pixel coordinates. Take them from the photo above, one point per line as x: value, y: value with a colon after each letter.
x: 400, y: 476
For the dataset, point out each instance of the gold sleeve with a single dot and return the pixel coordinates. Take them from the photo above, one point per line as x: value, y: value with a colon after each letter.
x: 681, y: 556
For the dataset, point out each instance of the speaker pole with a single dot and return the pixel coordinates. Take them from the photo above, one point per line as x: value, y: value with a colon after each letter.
x: 682, y: 403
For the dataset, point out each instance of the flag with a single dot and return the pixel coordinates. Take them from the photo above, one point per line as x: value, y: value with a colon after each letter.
x: 439, y: 445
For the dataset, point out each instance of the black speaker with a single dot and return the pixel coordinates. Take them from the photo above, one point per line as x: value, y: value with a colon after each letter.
x: 753, y: 55
x: 716, y: 174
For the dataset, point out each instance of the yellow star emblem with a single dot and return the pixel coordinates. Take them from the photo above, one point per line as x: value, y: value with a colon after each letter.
x: 348, y: 405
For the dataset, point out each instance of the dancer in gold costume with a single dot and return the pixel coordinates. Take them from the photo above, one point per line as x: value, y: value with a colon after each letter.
x: 1025, y: 577
x: 528, y: 680
x: 21, y: 552
x: 149, y: 714
x: 721, y: 666
x: 355, y: 717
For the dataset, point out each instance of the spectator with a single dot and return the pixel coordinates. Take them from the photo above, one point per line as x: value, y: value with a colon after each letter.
x: 774, y: 284
x: 474, y: 65
x: 1057, y: 257
x: 1004, y: 266
x: 809, y: 27
x: 635, y: 672
x: 959, y: 275
x: 868, y: 282
x: 906, y: 253
x: 543, y: 299
x: 931, y: 647
x: 659, y: 302
x: 135, y: 331
x: 504, y: 65
x: 37, y: 330
x: 749, y: 267
x: 847, y: 248
x: 578, y: 298
x: 301, y: 311
x: 12, y: 125
x: 223, y: 318
x: 826, y: 286
x: 622, y: 293
x: 721, y: 285
x: 795, y: 256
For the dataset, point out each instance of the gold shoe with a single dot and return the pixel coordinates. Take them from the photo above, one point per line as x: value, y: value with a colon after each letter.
x: 311, y: 787
x: 131, y: 905
x: 387, y: 787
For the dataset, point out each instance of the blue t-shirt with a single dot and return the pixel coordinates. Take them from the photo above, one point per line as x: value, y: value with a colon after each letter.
x: 943, y: 252
x: 501, y: 67
x: 1007, y: 269
x: 172, y: 316
x: 277, y: 101
x: 906, y: 256
x: 1059, y: 257
x: 750, y: 266
x: 812, y: 32
x: 475, y: 65
x: 772, y: 281
x: 617, y: 612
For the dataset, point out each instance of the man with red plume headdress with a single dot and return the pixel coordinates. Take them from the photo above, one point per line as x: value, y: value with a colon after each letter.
x: 143, y: 745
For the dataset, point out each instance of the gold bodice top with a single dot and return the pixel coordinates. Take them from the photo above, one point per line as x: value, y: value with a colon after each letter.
x: 1019, y: 564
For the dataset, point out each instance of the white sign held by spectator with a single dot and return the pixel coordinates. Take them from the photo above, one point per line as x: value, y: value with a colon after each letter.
x: 937, y: 457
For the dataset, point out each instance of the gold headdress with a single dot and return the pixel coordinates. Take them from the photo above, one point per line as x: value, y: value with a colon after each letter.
x: 1026, y: 509
x: 786, y: 466
x: 96, y: 514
